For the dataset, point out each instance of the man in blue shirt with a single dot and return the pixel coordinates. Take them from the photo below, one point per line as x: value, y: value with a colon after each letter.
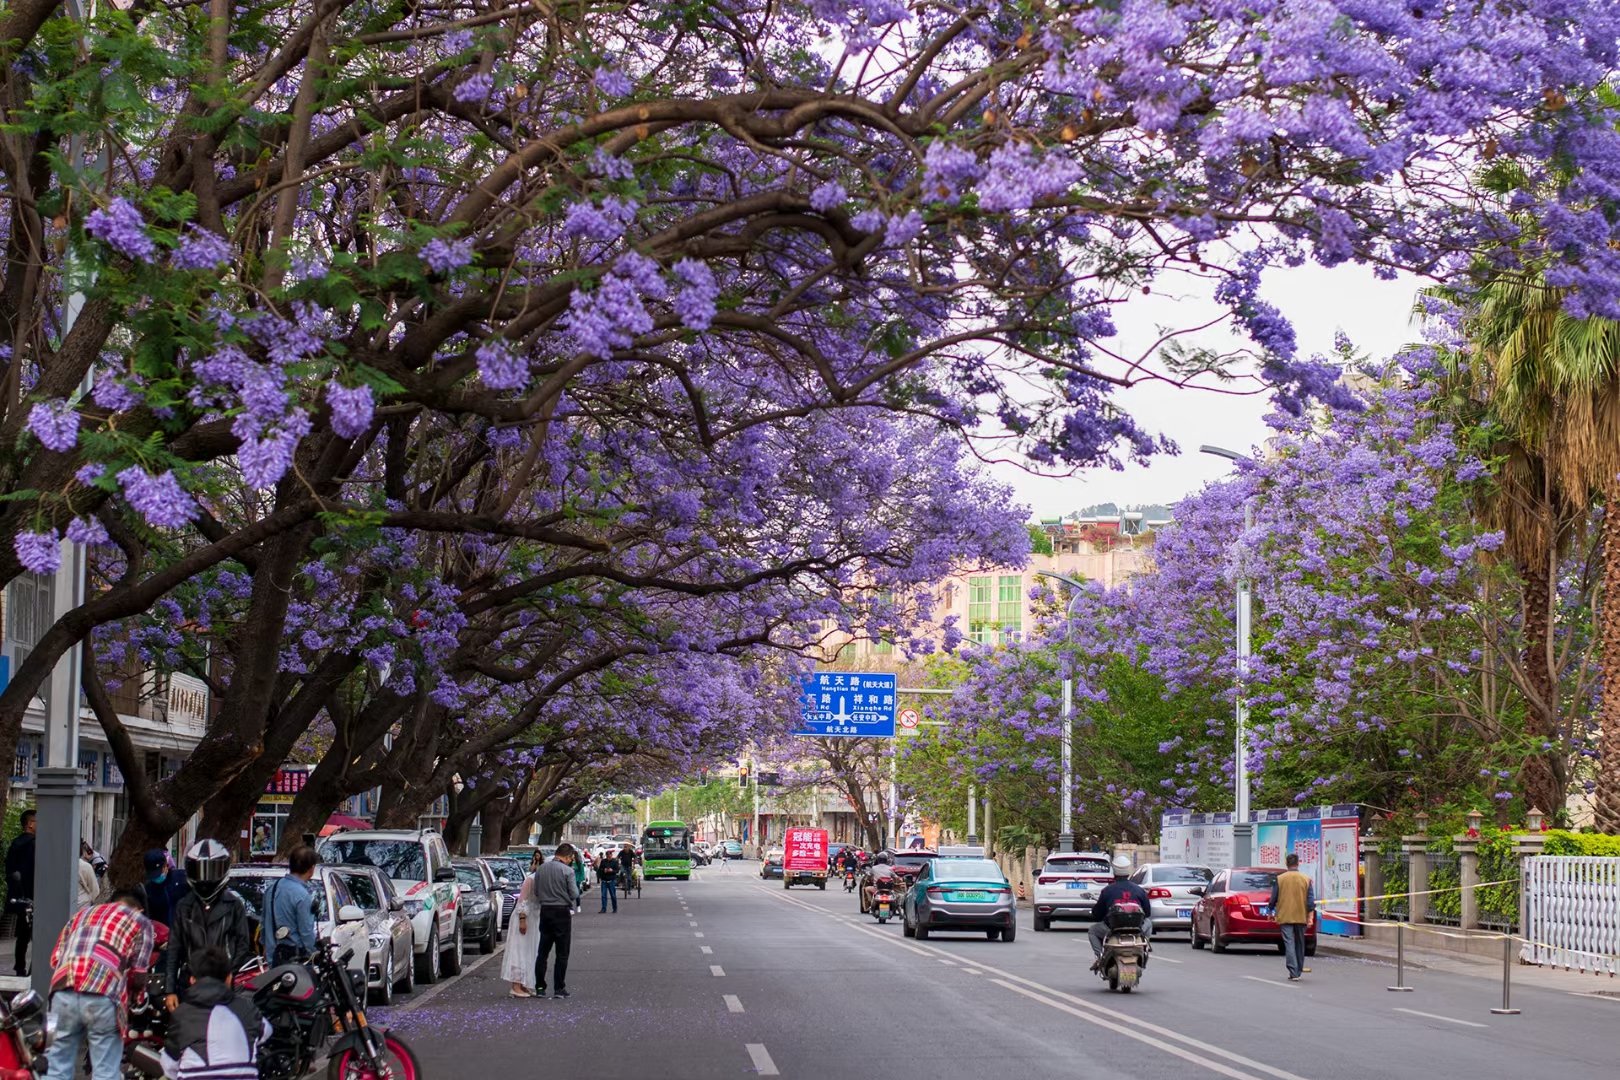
x: 289, y: 916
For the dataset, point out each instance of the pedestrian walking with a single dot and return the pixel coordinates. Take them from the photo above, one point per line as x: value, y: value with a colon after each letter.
x: 20, y: 887
x: 523, y: 939
x: 556, y: 894
x: 288, y: 930
x: 579, y: 881
x: 164, y: 887
x: 1293, y: 904
x: 607, y: 872
x: 100, y: 958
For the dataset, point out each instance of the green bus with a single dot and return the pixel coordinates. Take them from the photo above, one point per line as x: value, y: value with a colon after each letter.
x: 666, y: 850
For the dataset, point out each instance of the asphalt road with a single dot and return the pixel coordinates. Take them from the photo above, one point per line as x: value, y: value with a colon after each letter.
x: 730, y: 976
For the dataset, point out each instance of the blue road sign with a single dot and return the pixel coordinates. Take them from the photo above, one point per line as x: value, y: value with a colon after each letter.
x: 848, y: 704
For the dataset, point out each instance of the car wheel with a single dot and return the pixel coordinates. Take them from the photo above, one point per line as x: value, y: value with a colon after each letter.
x: 384, y: 993
x: 408, y: 984
x: 452, y: 964
x: 1215, y: 941
x: 1008, y: 933
x: 1192, y: 935
x: 1042, y: 925
x: 1310, y: 948
x: 906, y: 927
x: 991, y: 934
x: 427, y: 968
x: 922, y: 932
x: 486, y: 944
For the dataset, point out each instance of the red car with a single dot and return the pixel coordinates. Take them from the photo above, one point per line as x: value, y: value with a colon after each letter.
x: 1235, y: 910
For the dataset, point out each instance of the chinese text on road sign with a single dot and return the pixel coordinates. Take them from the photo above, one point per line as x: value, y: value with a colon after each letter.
x: 848, y: 703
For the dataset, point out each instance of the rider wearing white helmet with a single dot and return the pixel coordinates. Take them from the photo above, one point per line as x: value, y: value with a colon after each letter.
x: 1121, y: 888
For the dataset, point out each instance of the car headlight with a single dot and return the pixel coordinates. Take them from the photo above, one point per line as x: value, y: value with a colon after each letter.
x: 378, y: 941
x: 477, y: 905
x: 413, y: 908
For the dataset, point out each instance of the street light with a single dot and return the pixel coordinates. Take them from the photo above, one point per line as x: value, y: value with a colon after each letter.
x: 1242, y: 831
x: 1066, y: 780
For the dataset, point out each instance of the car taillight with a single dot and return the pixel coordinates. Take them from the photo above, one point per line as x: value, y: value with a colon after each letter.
x: 1000, y: 890
x: 1159, y: 894
x: 936, y: 891
x: 1047, y: 879
x: 1235, y: 901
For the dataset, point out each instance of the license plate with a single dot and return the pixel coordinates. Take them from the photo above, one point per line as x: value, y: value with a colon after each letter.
x: 1183, y: 913
x: 970, y: 896
x: 1074, y: 884
x: 1263, y: 909
x: 883, y: 907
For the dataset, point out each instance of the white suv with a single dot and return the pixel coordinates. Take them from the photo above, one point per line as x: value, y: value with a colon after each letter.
x: 418, y: 864
x: 1067, y: 887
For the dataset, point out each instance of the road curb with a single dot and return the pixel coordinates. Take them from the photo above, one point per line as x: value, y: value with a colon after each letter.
x: 1324, y: 948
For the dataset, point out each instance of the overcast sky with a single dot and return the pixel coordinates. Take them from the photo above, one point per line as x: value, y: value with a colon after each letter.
x: 1375, y: 314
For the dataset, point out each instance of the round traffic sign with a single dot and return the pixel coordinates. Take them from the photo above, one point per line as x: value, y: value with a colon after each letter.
x: 909, y: 718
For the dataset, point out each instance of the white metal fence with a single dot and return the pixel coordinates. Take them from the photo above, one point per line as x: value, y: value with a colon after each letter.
x: 1572, y: 911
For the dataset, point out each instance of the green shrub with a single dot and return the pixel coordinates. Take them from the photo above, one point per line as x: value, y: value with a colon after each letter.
x: 1564, y: 842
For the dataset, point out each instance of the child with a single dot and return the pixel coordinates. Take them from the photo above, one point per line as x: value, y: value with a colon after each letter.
x: 214, y: 1033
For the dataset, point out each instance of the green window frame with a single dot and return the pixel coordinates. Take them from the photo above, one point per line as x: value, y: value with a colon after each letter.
x: 981, y: 609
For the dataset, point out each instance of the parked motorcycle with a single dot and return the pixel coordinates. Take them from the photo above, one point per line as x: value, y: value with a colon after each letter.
x: 314, y: 1009
x: 1125, y: 949
x: 26, y: 1032
x: 882, y: 903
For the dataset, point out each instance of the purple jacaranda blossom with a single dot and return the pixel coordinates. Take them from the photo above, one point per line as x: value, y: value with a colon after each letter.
x: 265, y: 454
x: 606, y: 222
x: 475, y: 89
x: 120, y: 226
x: 828, y: 196
x: 88, y: 531
x: 200, y: 249
x: 613, y: 82
x: 89, y: 474
x: 352, y: 408
x: 55, y: 424
x: 500, y: 366
x: 38, y: 552
x: 694, y: 299
x: 442, y: 256
x: 159, y: 499
x: 113, y: 392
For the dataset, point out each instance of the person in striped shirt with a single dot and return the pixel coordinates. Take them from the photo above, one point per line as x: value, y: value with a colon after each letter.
x: 102, y: 956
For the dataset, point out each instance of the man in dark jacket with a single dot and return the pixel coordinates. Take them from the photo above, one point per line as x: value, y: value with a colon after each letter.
x: 214, y: 1033
x: 1122, y: 888
x: 165, y: 885
x: 20, y: 887
x: 210, y: 915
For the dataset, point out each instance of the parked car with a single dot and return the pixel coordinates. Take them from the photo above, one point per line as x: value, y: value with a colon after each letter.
x: 251, y: 881
x: 1066, y: 888
x: 960, y: 894
x: 509, y: 875
x: 730, y: 849
x: 1235, y: 909
x: 771, y: 865
x: 1173, y: 890
x: 391, y: 944
x: 418, y: 864
x: 482, y: 904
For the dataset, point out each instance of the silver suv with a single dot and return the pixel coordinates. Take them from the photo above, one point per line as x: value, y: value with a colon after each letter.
x: 418, y: 864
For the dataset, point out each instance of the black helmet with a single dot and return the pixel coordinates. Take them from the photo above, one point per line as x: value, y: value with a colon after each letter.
x: 207, y: 863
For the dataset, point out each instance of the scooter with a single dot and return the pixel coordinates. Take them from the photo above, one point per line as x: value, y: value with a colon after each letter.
x: 849, y: 881
x: 1125, y: 949
x: 882, y: 904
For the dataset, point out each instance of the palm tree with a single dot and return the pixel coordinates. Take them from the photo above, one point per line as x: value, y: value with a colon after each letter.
x: 1551, y: 383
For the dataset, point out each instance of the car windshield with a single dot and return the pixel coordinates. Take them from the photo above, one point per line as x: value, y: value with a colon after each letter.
x: 1251, y: 881
x: 1182, y: 875
x: 506, y: 871
x: 1078, y: 866
x: 966, y: 870
x: 399, y: 859
x: 364, y: 891
x: 470, y: 875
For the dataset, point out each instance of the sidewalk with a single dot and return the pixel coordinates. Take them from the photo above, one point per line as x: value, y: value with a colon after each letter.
x: 1452, y: 963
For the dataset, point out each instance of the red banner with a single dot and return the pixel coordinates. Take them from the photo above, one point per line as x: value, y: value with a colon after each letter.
x: 804, y: 849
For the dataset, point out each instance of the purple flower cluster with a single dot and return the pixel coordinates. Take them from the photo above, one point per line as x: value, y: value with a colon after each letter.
x: 500, y: 366
x: 604, y: 223
x: 828, y: 197
x: 87, y: 531
x: 442, y: 255
x: 475, y: 89
x: 613, y: 82
x: 201, y: 249
x: 39, y: 553
x: 352, y: 408
x: 159, y: 499
x: 120, y: 226
x: 694, y: 298
x: 55, y: 424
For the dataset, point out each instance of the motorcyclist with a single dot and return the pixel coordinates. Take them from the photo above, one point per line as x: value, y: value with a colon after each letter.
x: 208, y: 915
x: 879, y: 875
x: 1121, y: 888
x: 848, y: 860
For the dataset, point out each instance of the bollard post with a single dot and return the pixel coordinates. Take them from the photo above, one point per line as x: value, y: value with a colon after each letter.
x: 1507, y: 1008
x: 1400, y: 961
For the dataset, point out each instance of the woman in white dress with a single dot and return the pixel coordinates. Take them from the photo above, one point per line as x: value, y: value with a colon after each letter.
x: 522, y: 943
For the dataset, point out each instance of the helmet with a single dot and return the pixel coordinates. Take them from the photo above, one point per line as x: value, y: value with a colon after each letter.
x: 207, y: 863
x: 1122, y: 866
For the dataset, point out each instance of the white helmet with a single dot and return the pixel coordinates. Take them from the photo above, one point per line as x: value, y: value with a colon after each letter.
x: 1122, y: 866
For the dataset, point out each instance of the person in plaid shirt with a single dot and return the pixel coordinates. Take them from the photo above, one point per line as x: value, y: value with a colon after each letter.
x: 103, y: 953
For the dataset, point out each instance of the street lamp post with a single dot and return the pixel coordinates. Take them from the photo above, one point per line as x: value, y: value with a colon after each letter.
x: 1066, y: 739
x: 1242, y: 828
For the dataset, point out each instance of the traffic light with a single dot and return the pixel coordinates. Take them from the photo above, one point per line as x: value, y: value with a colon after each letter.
x: 742, y: 776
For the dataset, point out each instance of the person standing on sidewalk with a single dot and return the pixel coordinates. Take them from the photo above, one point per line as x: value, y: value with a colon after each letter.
x: 103, y: 953
x: 557, y: 895
x: 1293, y: 903
x: 20, y: 887
x: 607, y: 872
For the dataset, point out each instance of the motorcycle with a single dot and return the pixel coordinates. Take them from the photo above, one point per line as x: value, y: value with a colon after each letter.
x: 26, y: 1032
x: 314, y: 1009
x: 882, y: 904
x: 1125, y: 949
x: 849, y: 881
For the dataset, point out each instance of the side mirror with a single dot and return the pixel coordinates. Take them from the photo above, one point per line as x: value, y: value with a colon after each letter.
x: 1197, y: 890
x: 463, y: 887
x: 396, y: 904
x: 350, y: 913
x: 445, y: 873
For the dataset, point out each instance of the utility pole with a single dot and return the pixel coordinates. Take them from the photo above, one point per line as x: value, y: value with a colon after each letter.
x: 973, y: 814
x: 1242, y: 827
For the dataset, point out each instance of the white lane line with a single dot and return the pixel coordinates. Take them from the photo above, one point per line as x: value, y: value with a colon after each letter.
x: 952, y: 963
x: 763, y: 1065
x: 698, y: 934
x: 1270, y: 982
x: 972, y: 971
x: 692, y: 923
x: 705, y: 950
x: 717, y: 971
x: 1436, y: 1016
x: 733, y: 1002
x: 1157, y: 959
x: 1129, y: 1033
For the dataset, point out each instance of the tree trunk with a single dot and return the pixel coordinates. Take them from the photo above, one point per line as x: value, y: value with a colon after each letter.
x: 1606, y: 803
x: 1542, y: 779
